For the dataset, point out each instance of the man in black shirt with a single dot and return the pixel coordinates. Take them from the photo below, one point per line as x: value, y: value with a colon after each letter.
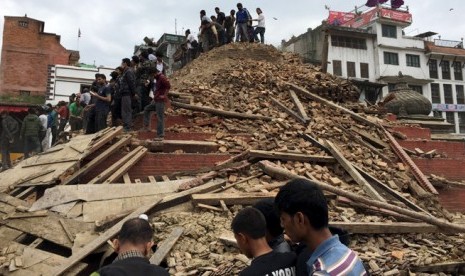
x: 274, y: 231
x: 220, y: 17
x: 133, y: 245
x: 249, y: 227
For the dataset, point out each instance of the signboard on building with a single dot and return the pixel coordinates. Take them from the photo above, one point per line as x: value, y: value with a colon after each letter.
x: 339, y: 18
x: 396, y: 15
x: 449, y: 107
x: 363, y: 19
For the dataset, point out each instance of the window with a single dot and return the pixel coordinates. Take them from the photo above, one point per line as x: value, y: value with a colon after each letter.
x: 458, y: 70
x: 435, y: 95
x: 389, y: 31
x: 351, y: 69
x: 450, y: 117
x: 417, y: 88
x: 433, y: 69
x: 24, y: 93
x: 391, y: 58
x: 348, y: 42
x: 391, y: 86
x: 460, y: 94
x: 461, y: 122
x: 448, y: 99
x: 337, y: 67
x: 413, y: 60
x: 23, y: 24
x: 364, y: 72
x: 445, y: 67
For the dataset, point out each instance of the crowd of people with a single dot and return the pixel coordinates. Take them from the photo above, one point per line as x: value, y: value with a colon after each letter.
x: 218, y: 29
x: 138, y: 86
x: 288, y: 235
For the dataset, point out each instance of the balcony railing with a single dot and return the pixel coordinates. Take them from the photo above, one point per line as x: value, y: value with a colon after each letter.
x: 448, y: 43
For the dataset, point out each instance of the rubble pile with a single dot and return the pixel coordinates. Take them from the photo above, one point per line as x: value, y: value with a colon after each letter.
x: 272, y: 116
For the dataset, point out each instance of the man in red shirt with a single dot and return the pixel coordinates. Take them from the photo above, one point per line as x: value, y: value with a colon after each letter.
x: 63, y: 111
x: 161, y: 88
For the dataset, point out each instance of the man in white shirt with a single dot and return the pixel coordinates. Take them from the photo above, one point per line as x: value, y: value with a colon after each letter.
x: 260, y: 29
x: 192, y: 45
x: 43, y: 118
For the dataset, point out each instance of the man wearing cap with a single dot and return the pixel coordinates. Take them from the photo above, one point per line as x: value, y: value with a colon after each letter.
x: 133, y: 245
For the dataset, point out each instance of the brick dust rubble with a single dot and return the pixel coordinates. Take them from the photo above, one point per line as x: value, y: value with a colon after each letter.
x: 243, y: 78
x: 253, y: 81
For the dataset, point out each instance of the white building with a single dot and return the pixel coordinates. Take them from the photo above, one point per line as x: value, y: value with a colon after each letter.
x: 371, y: 49
x: 65, y: 80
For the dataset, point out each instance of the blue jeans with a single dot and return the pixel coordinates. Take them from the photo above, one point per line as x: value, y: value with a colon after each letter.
x: 261, y: 31
x: 159, y: 107
x: 242, y: 32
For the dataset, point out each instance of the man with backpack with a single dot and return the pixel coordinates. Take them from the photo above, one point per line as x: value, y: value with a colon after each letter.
x: 9, y: 129
x: 243, y: 19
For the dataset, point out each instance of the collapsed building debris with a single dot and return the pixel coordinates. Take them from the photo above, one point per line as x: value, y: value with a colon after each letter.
x: 274, y: 119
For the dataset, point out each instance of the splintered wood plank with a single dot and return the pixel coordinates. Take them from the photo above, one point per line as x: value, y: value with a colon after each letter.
x: 370, y: 138
x: 115, y: 167
x: 48, y: 228
x: 127, y: 179
x: 385, y: 227
x: 288, y: 111
x: 63, y: 194
x: 125, y: 140
x: 63, y: 208
x: 123, y: 169
x: 99, y: 210
x: 353, y: 172
x: 285, y: 156
x: 231, y: 198
x: 102, y: 239
x: 166, y: 246
x: 299, y: 106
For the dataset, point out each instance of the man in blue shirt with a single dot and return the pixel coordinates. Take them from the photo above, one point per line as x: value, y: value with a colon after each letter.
x: 242, y: 20
x: 102, y: 103
x: 304, y: 216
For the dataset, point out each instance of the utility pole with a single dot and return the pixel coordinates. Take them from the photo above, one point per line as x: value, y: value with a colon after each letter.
x: 176, y: 26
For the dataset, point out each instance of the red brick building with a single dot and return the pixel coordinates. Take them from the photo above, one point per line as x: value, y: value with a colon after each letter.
x: 27, y: 53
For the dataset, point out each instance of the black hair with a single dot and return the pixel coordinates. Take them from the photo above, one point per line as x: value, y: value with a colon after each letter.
x: 150, y: 50
x: 213, y: 18
x: 159, y: 54
x: 273, y: 224
x: 31, y: 110
x: 303, y: 195
x: 136, y: 231
x: 239, y: 5
x: 135, y: 59
x: 233, y: 12
x: 202, y: 12
x: 188, y: 31
x: 96, y: 75
x: 127, y: 61
x: 251, y: 222
x: 119, y: 68
x: 114, y: 75
x: 145, y: 54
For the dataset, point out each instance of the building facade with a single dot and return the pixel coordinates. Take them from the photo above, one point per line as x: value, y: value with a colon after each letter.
x: 27, y: 51
x: 370, y: 48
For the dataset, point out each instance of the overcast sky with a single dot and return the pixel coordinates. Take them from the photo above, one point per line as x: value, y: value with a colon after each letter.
x: 110, y: 29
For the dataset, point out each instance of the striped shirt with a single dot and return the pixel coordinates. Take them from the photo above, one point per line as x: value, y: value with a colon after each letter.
x: 332, y: 258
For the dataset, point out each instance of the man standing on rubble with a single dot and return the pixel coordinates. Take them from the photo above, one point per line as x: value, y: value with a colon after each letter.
x: 229, y: 27
x: 160, y: 97
x: 249, y: 227
x: 304, y: 215
x: 102, y: 103
x: 220, y: 17
x: 242, y: 23
x: 127, y: 89
x: 133, y: 245
x: 30, y: 133
x: 10, y: 128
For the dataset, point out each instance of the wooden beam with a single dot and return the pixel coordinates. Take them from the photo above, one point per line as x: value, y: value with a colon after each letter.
x: 107, y: 137
x: 457, y: 268
x: 51, y: 162
x: 223, y: 113
x: 353, y: 172
x: 166, y: 246
x: 32, y: 176
x: 299, y: 106
x: 288, y: 111
x: 110, y: 170
x: 285, y: 156
x: 230, y: 185
x: 275, y: 171
x: 131, y: 162
x: 125, y: 140
x: 102, y: 239
x: 370, y: 139
x: 389, y: 190
x: 355, y: 116
x: 231, y: 198
x: 385, y: 227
